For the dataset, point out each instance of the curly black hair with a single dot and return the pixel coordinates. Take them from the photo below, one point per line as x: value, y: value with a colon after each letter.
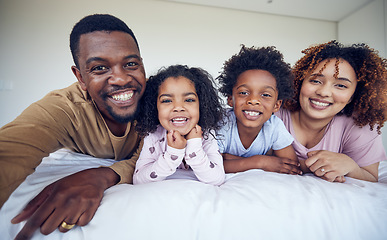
x: 368, y: 106
x: 211, y: 112
x: 264, y: 58
x: 92, y: 23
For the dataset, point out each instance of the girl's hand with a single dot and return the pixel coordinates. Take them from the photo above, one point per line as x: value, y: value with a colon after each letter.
x: 330, y: 166
x: 196, y: 132
x: 175, y: 140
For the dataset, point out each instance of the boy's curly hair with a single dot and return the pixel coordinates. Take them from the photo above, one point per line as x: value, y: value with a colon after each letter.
x: 265, y: 58
x: 211, y: 112
x: 369, y: 100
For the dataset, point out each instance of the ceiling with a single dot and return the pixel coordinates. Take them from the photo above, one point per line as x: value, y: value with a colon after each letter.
x: 329, y: 10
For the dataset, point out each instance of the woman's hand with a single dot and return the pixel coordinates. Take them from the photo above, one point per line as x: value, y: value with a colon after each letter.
x: 196, y: 132
x: 330, y: 166
x: 175, y: 140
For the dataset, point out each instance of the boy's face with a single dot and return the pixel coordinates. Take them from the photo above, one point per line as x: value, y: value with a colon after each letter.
x: 254, y: 99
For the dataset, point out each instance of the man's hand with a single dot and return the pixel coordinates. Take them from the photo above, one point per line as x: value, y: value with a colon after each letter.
x: 73, y: 199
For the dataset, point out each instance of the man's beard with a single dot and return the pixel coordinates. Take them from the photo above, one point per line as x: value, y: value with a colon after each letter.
x: 122, y: 118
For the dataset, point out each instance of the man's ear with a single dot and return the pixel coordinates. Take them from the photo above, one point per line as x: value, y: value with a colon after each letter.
x: 229, y: 101
x: 78, y: 75
x: 277, y: 106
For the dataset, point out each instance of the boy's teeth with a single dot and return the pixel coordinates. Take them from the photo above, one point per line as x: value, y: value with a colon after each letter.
x: 252, y: 113
x: 321, y: 104
x: 123, y: 97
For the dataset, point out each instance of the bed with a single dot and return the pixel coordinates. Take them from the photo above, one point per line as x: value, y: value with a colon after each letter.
x: 250, y: 205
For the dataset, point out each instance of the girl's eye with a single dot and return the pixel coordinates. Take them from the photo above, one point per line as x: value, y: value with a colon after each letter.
x: 165, y: 101
x: 190, y: 100
x: 243, y: 93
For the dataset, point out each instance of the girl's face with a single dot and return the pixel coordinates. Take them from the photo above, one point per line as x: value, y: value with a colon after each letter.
x: 178, y: 105
x: 322, y: 95
x: 254, y: 99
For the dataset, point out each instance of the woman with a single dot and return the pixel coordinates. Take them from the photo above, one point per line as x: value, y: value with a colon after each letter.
x: 338, y: 110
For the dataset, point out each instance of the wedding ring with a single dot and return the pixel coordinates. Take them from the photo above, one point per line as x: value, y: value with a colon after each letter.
x: 67, y: 226
x: 322, y: 170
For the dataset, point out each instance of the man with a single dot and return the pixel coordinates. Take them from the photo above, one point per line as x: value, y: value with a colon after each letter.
x: 93, y: 116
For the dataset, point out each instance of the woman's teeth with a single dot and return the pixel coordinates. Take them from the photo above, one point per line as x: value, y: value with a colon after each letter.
x: 321, y: 104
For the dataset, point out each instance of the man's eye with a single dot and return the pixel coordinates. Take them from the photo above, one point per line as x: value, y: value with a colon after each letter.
x: 131, y: 65
x: 99, y: 69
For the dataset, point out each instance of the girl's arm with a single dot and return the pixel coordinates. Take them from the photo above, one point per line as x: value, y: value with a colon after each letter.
x: 330, y: 165
x: 284, y: 161
x: 153, y: 165
x: 205, y: 160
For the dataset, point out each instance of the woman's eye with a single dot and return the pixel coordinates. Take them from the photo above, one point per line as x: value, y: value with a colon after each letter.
x: 314, y: 81
x: 341, y: 86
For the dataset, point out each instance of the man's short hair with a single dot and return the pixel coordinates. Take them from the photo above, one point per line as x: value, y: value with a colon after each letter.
x: 92, y: 23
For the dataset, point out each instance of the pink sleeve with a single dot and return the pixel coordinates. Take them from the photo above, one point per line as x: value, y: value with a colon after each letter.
x: 153, y: 165
x: 364, y: 146
x: 204, y: 158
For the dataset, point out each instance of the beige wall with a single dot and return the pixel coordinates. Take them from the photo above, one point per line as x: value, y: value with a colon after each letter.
x: 368, y: 25
x: 35, y: 57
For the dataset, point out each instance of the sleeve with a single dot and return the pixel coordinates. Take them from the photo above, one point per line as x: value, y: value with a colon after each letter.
x: 154, y: 165
x: 364, y: 146
x: 282, y: 137
x: 205, y: 160
x: 125, y: 168
x: 24, y: 142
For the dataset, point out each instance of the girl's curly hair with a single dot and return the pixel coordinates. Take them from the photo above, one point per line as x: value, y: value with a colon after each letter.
x: 211, y: 112
x: 265, y: 58
x: 368, y: 106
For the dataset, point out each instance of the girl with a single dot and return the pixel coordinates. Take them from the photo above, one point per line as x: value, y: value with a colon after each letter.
x: 338, y: 110
x: 180, y: 110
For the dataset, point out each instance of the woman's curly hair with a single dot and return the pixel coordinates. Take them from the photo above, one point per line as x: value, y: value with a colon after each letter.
x: 265, y: 58
x: 368, y: 106
x: 211, y: 112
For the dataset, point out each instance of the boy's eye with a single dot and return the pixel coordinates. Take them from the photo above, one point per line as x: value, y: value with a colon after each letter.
x: 266, y: 95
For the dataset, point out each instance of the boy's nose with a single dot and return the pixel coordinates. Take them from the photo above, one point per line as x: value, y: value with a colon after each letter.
x: 253, y: 101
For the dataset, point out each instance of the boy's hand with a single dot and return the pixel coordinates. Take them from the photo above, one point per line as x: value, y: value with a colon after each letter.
x: 282, y: 165
x: 196, y: 132
x: 175, y: 140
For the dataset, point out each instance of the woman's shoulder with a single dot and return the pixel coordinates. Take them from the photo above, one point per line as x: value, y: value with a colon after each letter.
x: 347, y: 126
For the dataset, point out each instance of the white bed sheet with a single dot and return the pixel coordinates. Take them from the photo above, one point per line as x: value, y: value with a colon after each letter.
x: 251, y: 205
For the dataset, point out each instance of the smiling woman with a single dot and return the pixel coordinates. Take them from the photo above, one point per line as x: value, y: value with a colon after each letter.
x: 338, y: 110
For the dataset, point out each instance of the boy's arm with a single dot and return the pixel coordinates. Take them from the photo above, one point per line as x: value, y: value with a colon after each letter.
x: 284, y: 161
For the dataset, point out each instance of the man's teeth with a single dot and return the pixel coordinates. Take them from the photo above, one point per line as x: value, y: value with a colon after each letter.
x: 321, y: 104
x: 122, y: 97
x: 252, y: 113
x: 179, y: 119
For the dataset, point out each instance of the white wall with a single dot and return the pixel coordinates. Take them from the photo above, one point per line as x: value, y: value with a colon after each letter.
x: 35, y: 57
x: 368, y: 25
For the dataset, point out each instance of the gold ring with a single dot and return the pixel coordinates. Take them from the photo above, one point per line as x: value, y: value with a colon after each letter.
x: 67, y: 226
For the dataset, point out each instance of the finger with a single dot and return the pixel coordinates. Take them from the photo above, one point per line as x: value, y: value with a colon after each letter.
x: 34, y: 222
x: 321, y: 171
x: 67, y: 224
x: 291, y: 162
x: 86, y: 217
x: 32, y: 206
x: 312, y: 153
x: 294, y: 170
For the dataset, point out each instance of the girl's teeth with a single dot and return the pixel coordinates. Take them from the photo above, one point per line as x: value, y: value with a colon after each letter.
x: 123, y: 97
x: 179, y: 119
x: 321, y: 104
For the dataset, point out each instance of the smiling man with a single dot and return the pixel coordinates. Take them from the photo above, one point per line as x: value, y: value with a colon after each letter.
x: 94, y: 116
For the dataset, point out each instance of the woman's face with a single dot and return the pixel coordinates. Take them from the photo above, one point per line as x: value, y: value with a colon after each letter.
x: 322, y: 95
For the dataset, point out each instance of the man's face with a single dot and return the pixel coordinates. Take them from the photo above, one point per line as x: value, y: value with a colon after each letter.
x: 112, y: 72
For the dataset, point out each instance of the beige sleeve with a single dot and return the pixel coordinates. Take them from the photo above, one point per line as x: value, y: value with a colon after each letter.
x: 125, y: 168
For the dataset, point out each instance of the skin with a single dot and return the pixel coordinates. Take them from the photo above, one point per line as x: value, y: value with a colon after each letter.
x: 322, y: 96
x: 254, y: 100
x: 178, y: 111
x: 109, y: 65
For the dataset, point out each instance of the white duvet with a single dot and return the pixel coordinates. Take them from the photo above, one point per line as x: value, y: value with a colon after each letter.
x: 251, y: 205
